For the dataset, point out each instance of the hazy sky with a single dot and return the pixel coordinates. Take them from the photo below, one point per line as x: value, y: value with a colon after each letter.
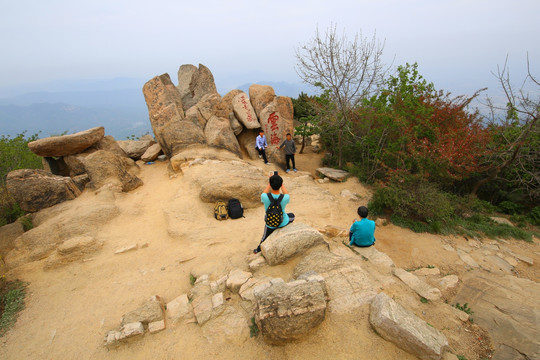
x: 456, y: 43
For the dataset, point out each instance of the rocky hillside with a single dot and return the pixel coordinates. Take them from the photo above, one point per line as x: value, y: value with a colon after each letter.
x: 126, y: 260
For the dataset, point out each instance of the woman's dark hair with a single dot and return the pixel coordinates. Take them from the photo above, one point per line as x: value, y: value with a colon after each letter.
x: 362, y: 211
x: 275, y: 182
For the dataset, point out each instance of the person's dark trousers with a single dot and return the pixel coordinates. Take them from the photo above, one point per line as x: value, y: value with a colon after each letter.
x: 263, y: 153
x: 290, y: 157
x: 268, y: 231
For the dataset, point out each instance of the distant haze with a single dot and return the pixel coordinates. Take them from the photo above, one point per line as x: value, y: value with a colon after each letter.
x: 62, y: 46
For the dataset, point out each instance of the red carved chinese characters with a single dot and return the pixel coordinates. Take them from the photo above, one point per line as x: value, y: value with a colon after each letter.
x: 274, y: 128
x: 245, y: 106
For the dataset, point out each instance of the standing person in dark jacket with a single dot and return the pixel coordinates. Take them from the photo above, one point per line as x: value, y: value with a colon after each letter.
x: 290, y: 149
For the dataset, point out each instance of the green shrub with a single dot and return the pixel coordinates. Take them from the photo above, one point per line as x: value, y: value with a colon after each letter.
x: 12, y: 301
x: 414, y: 199
x: 534, y: 216
x: 15, y: 154
x: 9, y: 209
x: 509, y: 207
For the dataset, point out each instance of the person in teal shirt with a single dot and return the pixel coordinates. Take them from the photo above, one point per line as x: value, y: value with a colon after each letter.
x: 275, y: 188
x: 362, y: 231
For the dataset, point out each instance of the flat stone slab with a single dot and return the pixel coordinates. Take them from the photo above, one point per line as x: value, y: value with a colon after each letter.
x: 412, y: 334
x: 334, y: 174
x: 67, y: 144
x: 507, y: 307
x: 419, y: 286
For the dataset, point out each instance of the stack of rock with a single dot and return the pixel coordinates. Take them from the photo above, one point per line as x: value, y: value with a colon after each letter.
x: 72, y: 162
x: 192, y: 117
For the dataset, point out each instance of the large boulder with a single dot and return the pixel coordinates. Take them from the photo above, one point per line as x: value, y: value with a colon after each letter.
x: 410, y: 333
x: 349, y: 285
x: 107, y: 143
x: 507, y: 307
x: 246, y: 139
x: 72, y: 250
x: 194, y: 83
x: 67, y: 144
x: 213, y: 105
x: 35, y: 189
x: 219, y: 134
x: 104, y: 167
x: 166, y: 114
x: 236, y: 126
x: 236, y: 180
x: 260, y: 96
x: 151, y: 153
x: 228, y: 98
x: 276, y: 120
x: 135, y: 148
x: 53, y: 226
x: 289, y: 311
x: 287, y: 242
x: 244, y: 112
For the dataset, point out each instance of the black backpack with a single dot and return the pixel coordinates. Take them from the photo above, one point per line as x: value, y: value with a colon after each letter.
x: 274, y: 213
x: 235, y: 209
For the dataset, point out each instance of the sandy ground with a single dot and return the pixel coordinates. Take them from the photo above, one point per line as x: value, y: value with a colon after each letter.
x: 69, y: 310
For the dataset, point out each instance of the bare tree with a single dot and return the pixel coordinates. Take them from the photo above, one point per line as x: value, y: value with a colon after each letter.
x: 522, y: 110
x: 348, y: 70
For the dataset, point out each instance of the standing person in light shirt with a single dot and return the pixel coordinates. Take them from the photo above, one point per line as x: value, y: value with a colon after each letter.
x: 261, y: 145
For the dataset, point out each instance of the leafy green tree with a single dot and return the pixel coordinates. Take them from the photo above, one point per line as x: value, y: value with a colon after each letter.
x: 306, y: 113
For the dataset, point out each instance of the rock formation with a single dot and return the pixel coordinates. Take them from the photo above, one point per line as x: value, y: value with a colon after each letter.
x: 193, y: 114
x: 67, y: 144
x: 35, y: 189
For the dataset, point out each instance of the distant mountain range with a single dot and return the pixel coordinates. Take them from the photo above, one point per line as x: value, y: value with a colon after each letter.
x: 118, y: 105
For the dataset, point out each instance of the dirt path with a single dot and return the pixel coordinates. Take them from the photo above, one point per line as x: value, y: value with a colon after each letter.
x: 69, y: 310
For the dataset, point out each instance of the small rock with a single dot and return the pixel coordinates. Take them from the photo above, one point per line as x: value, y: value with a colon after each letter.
x: 523, y: 258
x: 333, y: 231
x: 162, y: 157
x: 156, y: 326
x: 179, y: 308
x: 347, y: 194
x: 334, y: 174
x: 501, y: 220
x: 112, y: 337
x: 448, y: 247
x: 510, y: 260
x: 202, y: 308
x: 448, y: 282
x: 203, y: 279
x: 131, y: 330
x: 417, y: 285
x: 257, y: 263
x: 149, y: 312
x: 467, y: 259
x: 381, y: 222
x: 217, y: 300
x: 236, y: 279
x: 126, y: 249
x: 461, y: 315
